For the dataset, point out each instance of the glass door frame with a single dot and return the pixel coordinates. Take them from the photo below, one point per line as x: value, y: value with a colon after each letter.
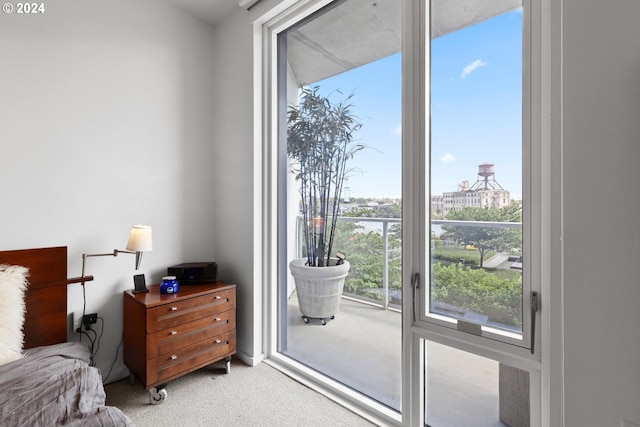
x: 416, y: 213
x: 274, y: 17
x: 266, y: 31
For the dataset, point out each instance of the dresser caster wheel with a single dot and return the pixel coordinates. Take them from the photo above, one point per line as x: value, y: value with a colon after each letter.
x: 157, y: 396
x: 306, y: 319
x: 227, y: 366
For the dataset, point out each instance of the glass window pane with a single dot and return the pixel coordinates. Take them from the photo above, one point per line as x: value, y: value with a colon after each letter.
x: 346, y: 56
x: 476, y: 165
x: 466, y: 390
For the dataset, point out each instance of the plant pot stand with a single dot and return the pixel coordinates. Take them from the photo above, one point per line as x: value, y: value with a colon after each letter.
x: 323, y: 320
x: 319, y: 289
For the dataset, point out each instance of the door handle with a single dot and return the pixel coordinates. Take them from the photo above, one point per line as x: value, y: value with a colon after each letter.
x: 534, y: 309
x: 415, y: 284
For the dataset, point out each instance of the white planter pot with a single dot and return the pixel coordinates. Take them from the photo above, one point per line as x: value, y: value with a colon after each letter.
x: 319, y: 289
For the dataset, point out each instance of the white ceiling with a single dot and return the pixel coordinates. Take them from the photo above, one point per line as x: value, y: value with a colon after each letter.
x: 211, y: 11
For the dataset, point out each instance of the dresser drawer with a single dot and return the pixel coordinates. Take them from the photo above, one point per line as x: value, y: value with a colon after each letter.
x: 168, y: 336
x: 186, y: 310
x: 169, y: 340
x: 189, y: 358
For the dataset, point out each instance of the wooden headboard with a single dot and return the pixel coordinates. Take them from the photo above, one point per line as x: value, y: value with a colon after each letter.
x: 46, y: 297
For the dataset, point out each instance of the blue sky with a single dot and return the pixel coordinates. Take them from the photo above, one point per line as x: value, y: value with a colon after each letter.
x: 475, y: 111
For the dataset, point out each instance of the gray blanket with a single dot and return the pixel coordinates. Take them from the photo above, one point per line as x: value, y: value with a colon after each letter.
x: 53, y: 386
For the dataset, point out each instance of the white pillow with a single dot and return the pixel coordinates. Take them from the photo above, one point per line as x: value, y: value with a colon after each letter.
x: 13, y: 283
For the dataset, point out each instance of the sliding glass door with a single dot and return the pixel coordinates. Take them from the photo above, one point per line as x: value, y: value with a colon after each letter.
x: 438, y: 320
x: 343, y: 61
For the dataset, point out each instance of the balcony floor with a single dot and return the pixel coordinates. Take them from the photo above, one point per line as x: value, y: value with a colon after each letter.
x: 361, y: 348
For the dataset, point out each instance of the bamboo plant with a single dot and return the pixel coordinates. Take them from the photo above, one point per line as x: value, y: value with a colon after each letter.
x: 320, y: 143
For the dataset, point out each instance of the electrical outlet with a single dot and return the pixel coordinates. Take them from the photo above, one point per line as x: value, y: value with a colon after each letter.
x: 90, y: 319
x: 77, y: 320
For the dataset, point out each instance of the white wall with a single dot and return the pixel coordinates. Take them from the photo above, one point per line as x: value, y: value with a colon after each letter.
x: 237, y: 204
x: 106, y: 112
x: 601, y: 153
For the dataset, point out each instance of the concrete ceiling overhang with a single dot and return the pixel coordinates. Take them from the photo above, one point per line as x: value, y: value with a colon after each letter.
x: 358, y: 32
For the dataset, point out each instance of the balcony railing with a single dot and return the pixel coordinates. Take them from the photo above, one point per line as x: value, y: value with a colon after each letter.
x: 383, y: 229
x: 385, y: 223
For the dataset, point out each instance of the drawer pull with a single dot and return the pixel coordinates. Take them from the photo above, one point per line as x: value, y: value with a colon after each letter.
x: 174, y: 357
x: 218, y: 319
x: 174, y: 332
x: 218, y: 341
x: 174, y: 308
x: 217, y: 296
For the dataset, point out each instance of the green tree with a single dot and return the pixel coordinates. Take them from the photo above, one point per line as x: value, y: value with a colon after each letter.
x: 486, y: 239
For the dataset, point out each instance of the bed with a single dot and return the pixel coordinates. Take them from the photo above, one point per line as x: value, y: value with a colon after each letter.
x: 46, y: 381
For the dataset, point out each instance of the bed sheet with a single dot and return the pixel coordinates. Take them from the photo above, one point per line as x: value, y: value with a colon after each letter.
x: 54, y: 385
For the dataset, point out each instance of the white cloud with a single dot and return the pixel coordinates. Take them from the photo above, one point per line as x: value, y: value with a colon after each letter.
x: 447, y: 158
x: 398, y: 130
x: 472, y: 67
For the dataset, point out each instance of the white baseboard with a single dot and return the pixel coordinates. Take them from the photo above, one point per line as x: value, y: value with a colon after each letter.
x: 248, y: 359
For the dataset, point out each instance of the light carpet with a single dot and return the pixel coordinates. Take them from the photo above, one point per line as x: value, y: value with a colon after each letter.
x: 248, y: 396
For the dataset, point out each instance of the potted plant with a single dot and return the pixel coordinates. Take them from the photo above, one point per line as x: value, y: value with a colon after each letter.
x: 320, y: 142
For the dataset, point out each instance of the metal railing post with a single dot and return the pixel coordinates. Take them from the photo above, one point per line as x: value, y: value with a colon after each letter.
x: 385, y: 265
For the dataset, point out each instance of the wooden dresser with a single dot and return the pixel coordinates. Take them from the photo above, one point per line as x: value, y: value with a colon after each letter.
x: 169, y: 335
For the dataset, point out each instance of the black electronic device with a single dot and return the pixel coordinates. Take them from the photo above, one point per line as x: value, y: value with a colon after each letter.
x: 139, y: 284
x: 193, y: 273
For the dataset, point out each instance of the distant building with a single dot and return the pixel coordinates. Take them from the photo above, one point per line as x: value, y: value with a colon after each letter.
x: 486, y: 192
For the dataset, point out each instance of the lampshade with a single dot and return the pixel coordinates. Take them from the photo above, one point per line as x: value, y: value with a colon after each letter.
x: 140, y: 239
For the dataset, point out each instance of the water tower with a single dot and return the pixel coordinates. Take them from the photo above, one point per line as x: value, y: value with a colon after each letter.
x: 486, y: 178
